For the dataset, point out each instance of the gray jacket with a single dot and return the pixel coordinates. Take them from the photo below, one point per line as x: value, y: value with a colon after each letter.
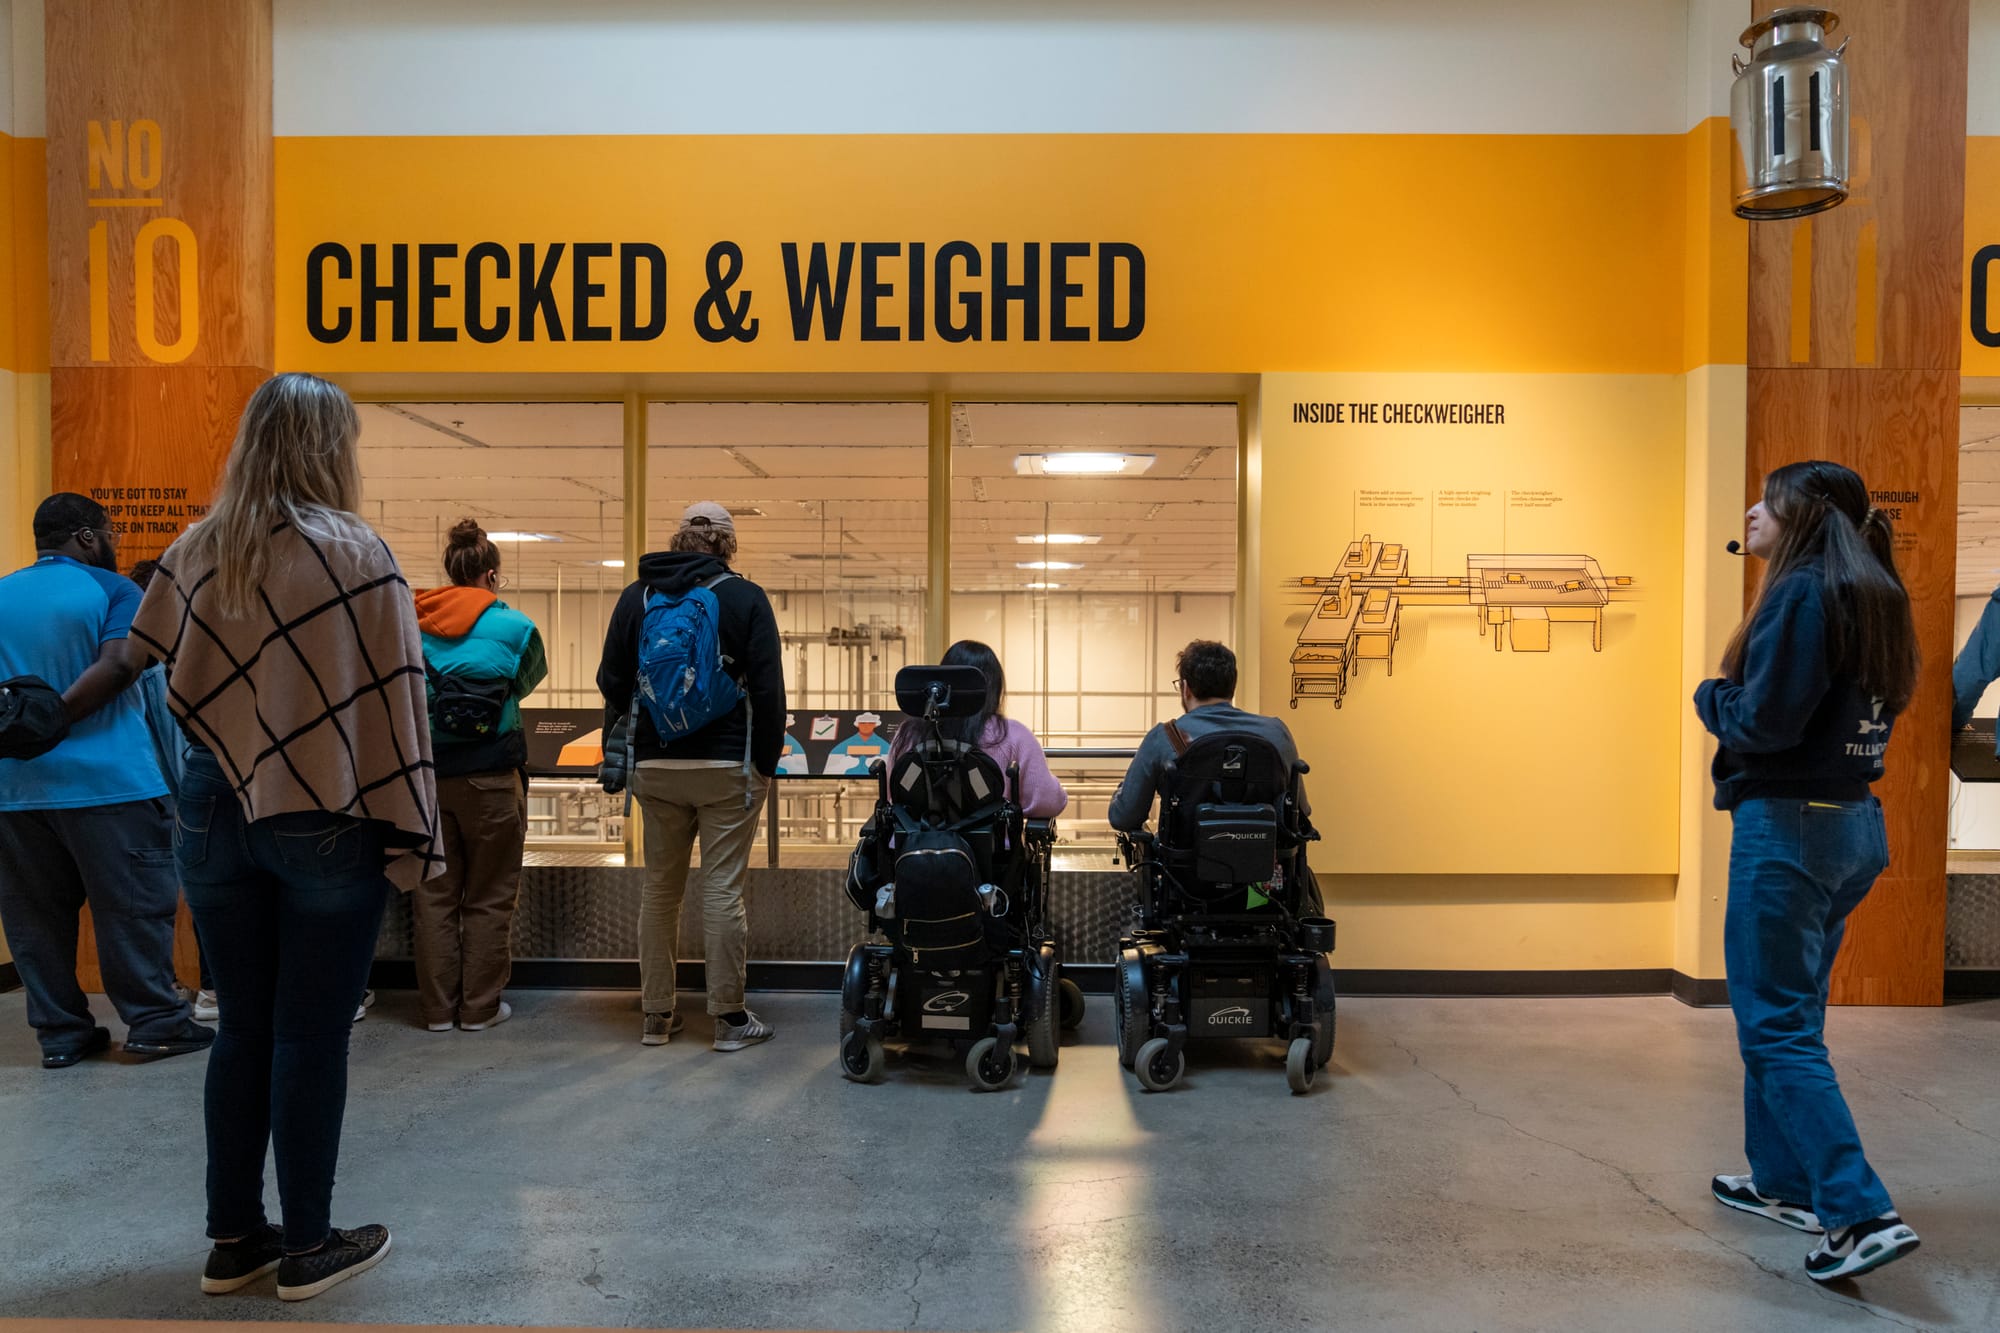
x: 1132, y: 805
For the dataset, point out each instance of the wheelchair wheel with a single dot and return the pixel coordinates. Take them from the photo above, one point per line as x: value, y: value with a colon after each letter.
x: 1158, y: 1065
x: 1044, y: 1040
x: 861, y: 1057
x: 1299, y: 1065
x: 1070, y: 1005
x: 989, y: 1064
x: 1134, y: 1016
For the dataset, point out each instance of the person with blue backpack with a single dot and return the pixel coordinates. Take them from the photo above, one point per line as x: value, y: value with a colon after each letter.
x: 481, y: 658
x: 694, y: 687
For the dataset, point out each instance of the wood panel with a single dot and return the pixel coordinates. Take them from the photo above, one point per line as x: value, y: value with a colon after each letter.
x: 160, y: 158
x: 1854, y: 346
x: 199, y: 70
x: 155, y: 437
x: 1907, y: 73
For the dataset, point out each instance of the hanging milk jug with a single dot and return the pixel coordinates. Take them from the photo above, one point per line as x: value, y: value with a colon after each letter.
x: 1788, y: 110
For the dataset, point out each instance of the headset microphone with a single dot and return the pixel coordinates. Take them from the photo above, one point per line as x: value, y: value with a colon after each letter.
x: 1734, y: 548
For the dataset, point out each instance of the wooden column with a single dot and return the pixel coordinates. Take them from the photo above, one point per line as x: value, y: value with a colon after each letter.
x: 1854, y: 346
x: 160, y: 255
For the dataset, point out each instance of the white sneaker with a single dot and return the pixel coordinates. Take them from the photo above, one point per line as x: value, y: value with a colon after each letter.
x: 361, y: 1010
x: 206, y: 1010
x: 1742, y: 1194
x: 445, y: 1026
x: 1863, y: 1247
x: 506, y: 1012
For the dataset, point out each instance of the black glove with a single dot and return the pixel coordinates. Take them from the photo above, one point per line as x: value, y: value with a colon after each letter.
x: 616, y: 770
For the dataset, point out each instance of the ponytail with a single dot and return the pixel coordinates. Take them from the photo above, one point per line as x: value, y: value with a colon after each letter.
x: 1874, y: 636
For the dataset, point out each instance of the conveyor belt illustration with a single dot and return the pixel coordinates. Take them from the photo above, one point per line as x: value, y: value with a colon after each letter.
x: 1357, y: 613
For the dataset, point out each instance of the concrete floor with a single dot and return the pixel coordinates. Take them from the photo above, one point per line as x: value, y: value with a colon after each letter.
x: 1468, y: 1165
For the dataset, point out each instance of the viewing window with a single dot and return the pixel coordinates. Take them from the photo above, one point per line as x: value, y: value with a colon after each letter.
x: 1090, y: 542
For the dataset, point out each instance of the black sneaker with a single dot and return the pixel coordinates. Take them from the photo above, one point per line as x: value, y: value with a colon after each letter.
x: 189, y: 1037
x: 346, y: 1253
x: 1861, y: 1248
x: 1741, y: 1193
x: 98, y: 1040
x: 233, y: 1267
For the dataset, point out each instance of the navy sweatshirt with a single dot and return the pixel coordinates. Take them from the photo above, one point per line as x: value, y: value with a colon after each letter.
x: 1791, y: 728
x: 749, y: 633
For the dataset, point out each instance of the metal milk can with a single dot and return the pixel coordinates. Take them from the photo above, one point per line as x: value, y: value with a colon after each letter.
x: 1788, y: 110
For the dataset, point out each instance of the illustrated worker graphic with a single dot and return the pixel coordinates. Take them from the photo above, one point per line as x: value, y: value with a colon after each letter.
x: 858, y: 751
x: 793, y: 760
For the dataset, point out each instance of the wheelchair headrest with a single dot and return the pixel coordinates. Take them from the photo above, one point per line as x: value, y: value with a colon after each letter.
x: 945, y: 783
x: 940, y: 691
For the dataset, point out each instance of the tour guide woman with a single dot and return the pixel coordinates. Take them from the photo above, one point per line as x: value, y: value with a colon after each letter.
x: 295, y: 667
x: 1810, y: 685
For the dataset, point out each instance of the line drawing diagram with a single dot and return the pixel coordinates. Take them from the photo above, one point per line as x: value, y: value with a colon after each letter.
x: 1514, y: 599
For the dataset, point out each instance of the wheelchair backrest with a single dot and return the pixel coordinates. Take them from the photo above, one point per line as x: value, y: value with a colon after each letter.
x: 941, y: 783
x: 1225, y: 809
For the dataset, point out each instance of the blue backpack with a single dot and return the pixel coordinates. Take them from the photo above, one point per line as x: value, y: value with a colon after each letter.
x: 683, y: 677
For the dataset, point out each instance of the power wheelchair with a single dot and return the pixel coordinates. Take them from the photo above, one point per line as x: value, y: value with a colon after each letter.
x: 954, y: 881
x: 1231, y: 941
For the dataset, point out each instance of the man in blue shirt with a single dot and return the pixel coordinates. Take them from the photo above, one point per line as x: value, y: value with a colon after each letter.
x: 88, y: 821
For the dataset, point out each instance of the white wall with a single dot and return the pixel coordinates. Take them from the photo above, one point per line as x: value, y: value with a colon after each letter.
x: 357, y: 67
x: 1982, y: 89
x: 24, y: 99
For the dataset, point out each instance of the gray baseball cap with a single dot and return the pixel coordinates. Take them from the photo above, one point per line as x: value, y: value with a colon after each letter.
x: 707, y: 513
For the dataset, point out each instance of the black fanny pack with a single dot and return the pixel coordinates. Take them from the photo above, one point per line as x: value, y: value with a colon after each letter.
x: 467, y: 708
x: 33, y: 720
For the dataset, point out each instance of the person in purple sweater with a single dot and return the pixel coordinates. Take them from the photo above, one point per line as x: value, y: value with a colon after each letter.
x: 1007, y: 741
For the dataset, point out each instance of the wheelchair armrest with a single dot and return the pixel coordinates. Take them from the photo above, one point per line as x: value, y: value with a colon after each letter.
x: 1038, y: 832
x: 1137, y: 846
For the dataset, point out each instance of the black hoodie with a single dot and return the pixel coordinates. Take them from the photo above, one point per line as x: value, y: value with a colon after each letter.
x: 749, y: 635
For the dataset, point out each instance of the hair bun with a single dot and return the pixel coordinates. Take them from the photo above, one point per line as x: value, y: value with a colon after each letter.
x: 467, y: 532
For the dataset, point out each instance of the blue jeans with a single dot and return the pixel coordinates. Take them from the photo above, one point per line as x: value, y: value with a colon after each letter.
x: 1796, y: 869
x: 289, y: 908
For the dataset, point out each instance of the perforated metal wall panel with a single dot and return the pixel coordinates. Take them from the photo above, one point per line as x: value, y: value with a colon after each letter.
x: 592, y: 913
x: 1972, y: 922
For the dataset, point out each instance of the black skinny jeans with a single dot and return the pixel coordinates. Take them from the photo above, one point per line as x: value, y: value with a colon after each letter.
x: 288, y: 908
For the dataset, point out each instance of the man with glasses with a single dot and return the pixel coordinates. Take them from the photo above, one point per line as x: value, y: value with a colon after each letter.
x: 89, y: 820
x: 1207, y: 685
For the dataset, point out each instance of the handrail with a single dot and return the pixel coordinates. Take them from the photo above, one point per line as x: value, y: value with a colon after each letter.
x: 1088, y: 752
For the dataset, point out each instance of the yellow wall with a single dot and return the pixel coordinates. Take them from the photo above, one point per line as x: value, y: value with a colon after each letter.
x: 1272, y: 269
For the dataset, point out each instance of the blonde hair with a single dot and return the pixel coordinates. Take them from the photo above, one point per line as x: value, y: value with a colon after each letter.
x: 294, y: 461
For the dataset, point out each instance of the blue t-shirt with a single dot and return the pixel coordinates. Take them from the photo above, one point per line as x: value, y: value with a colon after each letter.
x: 59, y: 613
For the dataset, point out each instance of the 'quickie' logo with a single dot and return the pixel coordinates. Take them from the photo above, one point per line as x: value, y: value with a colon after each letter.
x: 946, y: 1002
x: 1234, y: 1014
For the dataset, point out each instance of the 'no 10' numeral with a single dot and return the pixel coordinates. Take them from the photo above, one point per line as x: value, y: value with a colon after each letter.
x: 144, y: 316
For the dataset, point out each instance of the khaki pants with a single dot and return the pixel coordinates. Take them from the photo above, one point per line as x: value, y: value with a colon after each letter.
x: 465, y: 917
x: 678, y: 803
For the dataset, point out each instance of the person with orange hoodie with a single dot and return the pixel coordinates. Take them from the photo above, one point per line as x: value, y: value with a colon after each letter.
x: 481, y: 658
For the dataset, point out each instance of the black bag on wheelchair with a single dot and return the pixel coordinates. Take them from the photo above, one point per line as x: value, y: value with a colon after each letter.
x: 940, y: 913
x: 1235, y: 844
